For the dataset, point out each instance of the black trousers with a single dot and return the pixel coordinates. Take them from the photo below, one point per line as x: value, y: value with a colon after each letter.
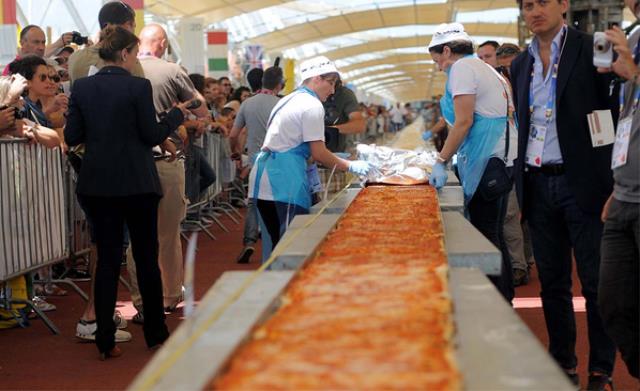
x: 559, y: 227
x: 109, y: 216
x: 487, y: 215
x: 618, y: 291
x: 277, y: 216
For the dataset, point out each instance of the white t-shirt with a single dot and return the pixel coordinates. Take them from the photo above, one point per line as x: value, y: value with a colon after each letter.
x: 472, y: 76
x: 396, y: 115
x: 296, y: 119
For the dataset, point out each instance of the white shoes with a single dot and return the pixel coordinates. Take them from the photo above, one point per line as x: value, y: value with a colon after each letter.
x: 86, y: 330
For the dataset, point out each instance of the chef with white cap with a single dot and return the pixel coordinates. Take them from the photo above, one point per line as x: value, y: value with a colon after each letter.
x: 295, y: 132
x: 478, y: 106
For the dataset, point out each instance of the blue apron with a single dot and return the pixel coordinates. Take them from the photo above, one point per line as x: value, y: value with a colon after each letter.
x: 478, y: 145
x: 286, y: 171
x: 287, y: 175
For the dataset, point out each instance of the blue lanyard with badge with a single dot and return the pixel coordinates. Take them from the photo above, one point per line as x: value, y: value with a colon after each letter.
x: 538, y: 133
x: 623, y: 133
x: 313, y: 176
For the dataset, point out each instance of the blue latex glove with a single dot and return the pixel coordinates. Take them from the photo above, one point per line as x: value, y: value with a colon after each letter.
x: 426, y: 136
x: 360, y: 167
x: 438, y: 176
x: 342, y: 155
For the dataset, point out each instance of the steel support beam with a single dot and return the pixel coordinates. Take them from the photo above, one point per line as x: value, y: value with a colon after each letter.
x: 75, y: 15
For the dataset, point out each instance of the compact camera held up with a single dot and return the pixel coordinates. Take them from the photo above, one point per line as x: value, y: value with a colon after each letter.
x: 78, y: 39
x: 602, y: 50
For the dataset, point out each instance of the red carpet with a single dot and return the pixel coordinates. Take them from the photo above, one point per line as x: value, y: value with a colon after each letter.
x: 35, y: 359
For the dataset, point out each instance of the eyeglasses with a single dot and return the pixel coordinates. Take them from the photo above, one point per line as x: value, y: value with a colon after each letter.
x: 54, y: 78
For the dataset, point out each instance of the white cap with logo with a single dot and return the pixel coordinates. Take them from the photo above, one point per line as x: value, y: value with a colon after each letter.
x: 316, y: 66
x: 449, y: 32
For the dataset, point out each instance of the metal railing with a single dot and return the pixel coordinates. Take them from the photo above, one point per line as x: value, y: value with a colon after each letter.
x: 215, y: 200
x: 32, y: 208
x: 41, y: 222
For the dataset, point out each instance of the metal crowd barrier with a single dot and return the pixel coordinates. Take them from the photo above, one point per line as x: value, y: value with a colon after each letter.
x: 32, y: 210
x: 211, y: 204
x: 41, y: 222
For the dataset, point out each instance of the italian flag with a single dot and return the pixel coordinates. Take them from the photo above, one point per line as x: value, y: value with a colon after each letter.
x: 217, y: 52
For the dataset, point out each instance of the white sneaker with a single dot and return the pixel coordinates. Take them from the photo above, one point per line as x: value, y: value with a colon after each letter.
x: 42, y: 305
x: 87, y: 331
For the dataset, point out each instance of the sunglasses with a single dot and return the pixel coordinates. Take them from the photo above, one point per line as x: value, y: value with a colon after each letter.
x: 44, y: 77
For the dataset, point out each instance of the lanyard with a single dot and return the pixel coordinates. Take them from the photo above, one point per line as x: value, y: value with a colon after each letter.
x: 636, y: 98
x: 551, y: 100
x: 303, y: 89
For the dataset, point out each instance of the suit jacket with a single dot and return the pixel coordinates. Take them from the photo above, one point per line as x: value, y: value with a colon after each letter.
x: 112, y: 113
x: 580, y: 90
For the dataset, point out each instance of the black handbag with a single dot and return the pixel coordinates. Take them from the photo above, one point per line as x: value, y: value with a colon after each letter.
x: 497, y: 179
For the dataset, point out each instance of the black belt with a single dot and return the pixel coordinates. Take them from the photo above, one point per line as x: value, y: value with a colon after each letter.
x: 548, y: 169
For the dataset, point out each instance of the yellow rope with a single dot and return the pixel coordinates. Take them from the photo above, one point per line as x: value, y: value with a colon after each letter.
x: 164, y: 366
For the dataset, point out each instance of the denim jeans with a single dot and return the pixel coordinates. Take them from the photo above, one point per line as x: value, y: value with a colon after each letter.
x: 488, y: 217
x: 557, y: 226
x: 618, y: 292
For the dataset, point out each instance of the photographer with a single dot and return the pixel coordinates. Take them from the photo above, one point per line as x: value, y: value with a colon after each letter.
x: 11, y: 122
x: 64, y: 40
x: 619, y: 276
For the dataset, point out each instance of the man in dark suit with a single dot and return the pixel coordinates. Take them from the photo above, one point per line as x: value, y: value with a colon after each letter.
x: 561, y: 180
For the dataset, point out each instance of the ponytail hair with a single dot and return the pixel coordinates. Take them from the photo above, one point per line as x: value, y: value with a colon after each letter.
x: 113, y: 40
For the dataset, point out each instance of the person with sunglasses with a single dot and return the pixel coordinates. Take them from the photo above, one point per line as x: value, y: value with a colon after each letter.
x: 279, y: 180
x: 36, y: 71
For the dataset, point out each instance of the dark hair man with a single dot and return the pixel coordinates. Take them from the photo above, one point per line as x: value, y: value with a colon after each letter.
x: 561, y: 179
x: 487, y: 52
x: 86, y: 62
x: 342, y: 118
x: 254, y: 78
x: 251, y: 124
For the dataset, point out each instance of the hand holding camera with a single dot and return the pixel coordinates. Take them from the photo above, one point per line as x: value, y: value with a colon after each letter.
x: 623, y: 66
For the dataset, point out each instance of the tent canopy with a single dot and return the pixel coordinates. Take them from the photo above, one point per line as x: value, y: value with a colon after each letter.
x: 380, y: 46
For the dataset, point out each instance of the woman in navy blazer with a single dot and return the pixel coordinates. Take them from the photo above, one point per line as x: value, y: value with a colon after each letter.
x: 112, y: 113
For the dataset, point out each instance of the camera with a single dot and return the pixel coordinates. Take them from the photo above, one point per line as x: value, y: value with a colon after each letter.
x: 602, y: 50
x: 18, y: 114
x: 78, y: 39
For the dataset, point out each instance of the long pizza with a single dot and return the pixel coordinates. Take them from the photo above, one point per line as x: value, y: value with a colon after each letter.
x: 370, y: 311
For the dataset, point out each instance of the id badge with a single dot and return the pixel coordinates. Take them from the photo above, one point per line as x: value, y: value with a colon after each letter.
x: 315, y: 186
x: 621, y: 145
x: 535, y: 145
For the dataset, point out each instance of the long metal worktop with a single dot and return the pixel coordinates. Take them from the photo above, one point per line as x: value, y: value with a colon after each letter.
x: 494, y: 348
